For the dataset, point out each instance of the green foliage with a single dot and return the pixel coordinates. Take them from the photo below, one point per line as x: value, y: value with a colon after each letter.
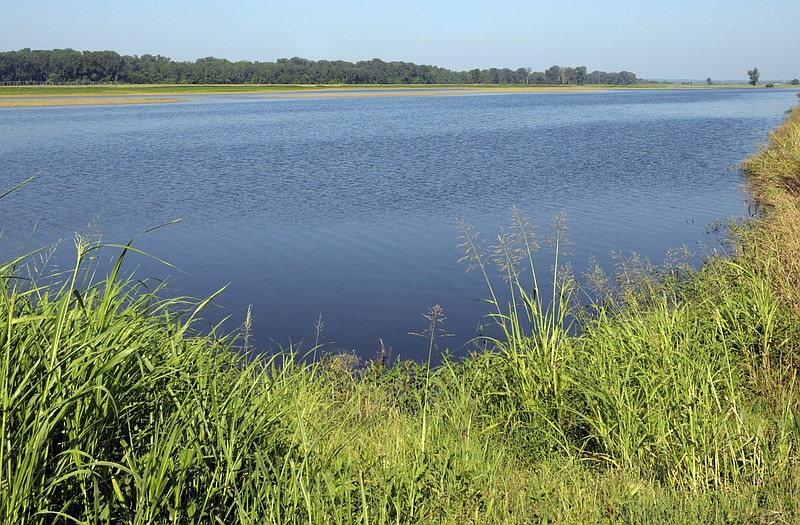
x: 666, y: 360
x: 774, y: 178
x: 69, y: 66
x: 111, y: 411
x: 753, y: 74
x: 667, y: 388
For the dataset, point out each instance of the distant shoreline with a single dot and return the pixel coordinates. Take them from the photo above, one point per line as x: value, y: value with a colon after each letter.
x: 80, y: 95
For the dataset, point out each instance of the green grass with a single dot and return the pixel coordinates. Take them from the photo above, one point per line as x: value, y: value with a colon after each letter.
x: 675, y: 402
x: 145, y: 89
x: 774, y: 179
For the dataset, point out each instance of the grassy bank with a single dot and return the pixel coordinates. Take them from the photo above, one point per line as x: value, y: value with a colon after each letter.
x: 146, y: 89
x: 676, y: 402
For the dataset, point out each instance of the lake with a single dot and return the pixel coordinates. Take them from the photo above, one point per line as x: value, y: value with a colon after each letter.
x: 345, y: 207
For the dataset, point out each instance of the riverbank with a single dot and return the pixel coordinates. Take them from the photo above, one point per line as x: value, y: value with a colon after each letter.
x: 76, y: 95
x: 676, y: 403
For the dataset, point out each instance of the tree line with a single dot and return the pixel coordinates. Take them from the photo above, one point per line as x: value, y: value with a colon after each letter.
x: 67, y: 66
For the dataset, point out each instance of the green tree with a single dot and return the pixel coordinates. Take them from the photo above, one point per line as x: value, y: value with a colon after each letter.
x: 565, y: 74
x: 70, y: 66
x: 537, y: 77
x: 753, y: 74
x: 622, y: 78
x: 579, y: 75
x: 553, y: 74
x: 597, y: 77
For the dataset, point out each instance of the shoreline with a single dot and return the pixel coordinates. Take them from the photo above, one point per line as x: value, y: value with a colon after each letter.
x: 44, y: 96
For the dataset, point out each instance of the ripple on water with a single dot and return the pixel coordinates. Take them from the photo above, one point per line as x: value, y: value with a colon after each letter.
x: 345, y: 207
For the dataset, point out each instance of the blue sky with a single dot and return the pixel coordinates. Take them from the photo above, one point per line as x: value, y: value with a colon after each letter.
x: 695, y: 39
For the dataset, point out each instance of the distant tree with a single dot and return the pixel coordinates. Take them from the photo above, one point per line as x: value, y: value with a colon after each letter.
x: 537, y: 77
x: 623, y: 78
x: 71, y: 66
x: 579, y: 75
x: 553, y: 74
x: 795, y: 82
x: 102, y: 66
x: 597, y: 77
x: 565, y: 75
x: 709, y: 82
x: 475, y: 76
x: 753, y: 74
x: 65, y: 65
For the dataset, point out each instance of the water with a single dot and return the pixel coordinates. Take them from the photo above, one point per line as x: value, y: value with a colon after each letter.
x: 345, y: 207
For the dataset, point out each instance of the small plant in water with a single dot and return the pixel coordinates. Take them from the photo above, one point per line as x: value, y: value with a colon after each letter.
x: 534, y: 343
x: 525, y: 317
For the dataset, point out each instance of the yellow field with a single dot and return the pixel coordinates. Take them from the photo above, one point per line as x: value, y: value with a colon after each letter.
x: 32, y: 96
x: 36, y: 96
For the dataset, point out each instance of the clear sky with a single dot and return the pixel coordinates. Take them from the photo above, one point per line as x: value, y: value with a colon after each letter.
x: 692, y: 39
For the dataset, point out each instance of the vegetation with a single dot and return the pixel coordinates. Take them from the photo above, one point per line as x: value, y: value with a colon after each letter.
x: 105, y: 94
x: 774, y: 176
x: 69, y: 66
x: 670, y: 396
x: 753, y: 74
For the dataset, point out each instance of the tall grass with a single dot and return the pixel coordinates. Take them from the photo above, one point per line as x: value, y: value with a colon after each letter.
x: 671, y: 389
x: 774, y: 179
x: 668, y: 379
x: 115, y: 411
x: 534, y: 343
x: 109, y: 408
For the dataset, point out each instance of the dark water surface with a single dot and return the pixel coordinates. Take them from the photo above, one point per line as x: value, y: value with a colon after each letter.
x: 345, y: 207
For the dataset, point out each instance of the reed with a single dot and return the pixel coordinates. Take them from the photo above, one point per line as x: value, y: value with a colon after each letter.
x: 115, y: 411
x: 773, y: 177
